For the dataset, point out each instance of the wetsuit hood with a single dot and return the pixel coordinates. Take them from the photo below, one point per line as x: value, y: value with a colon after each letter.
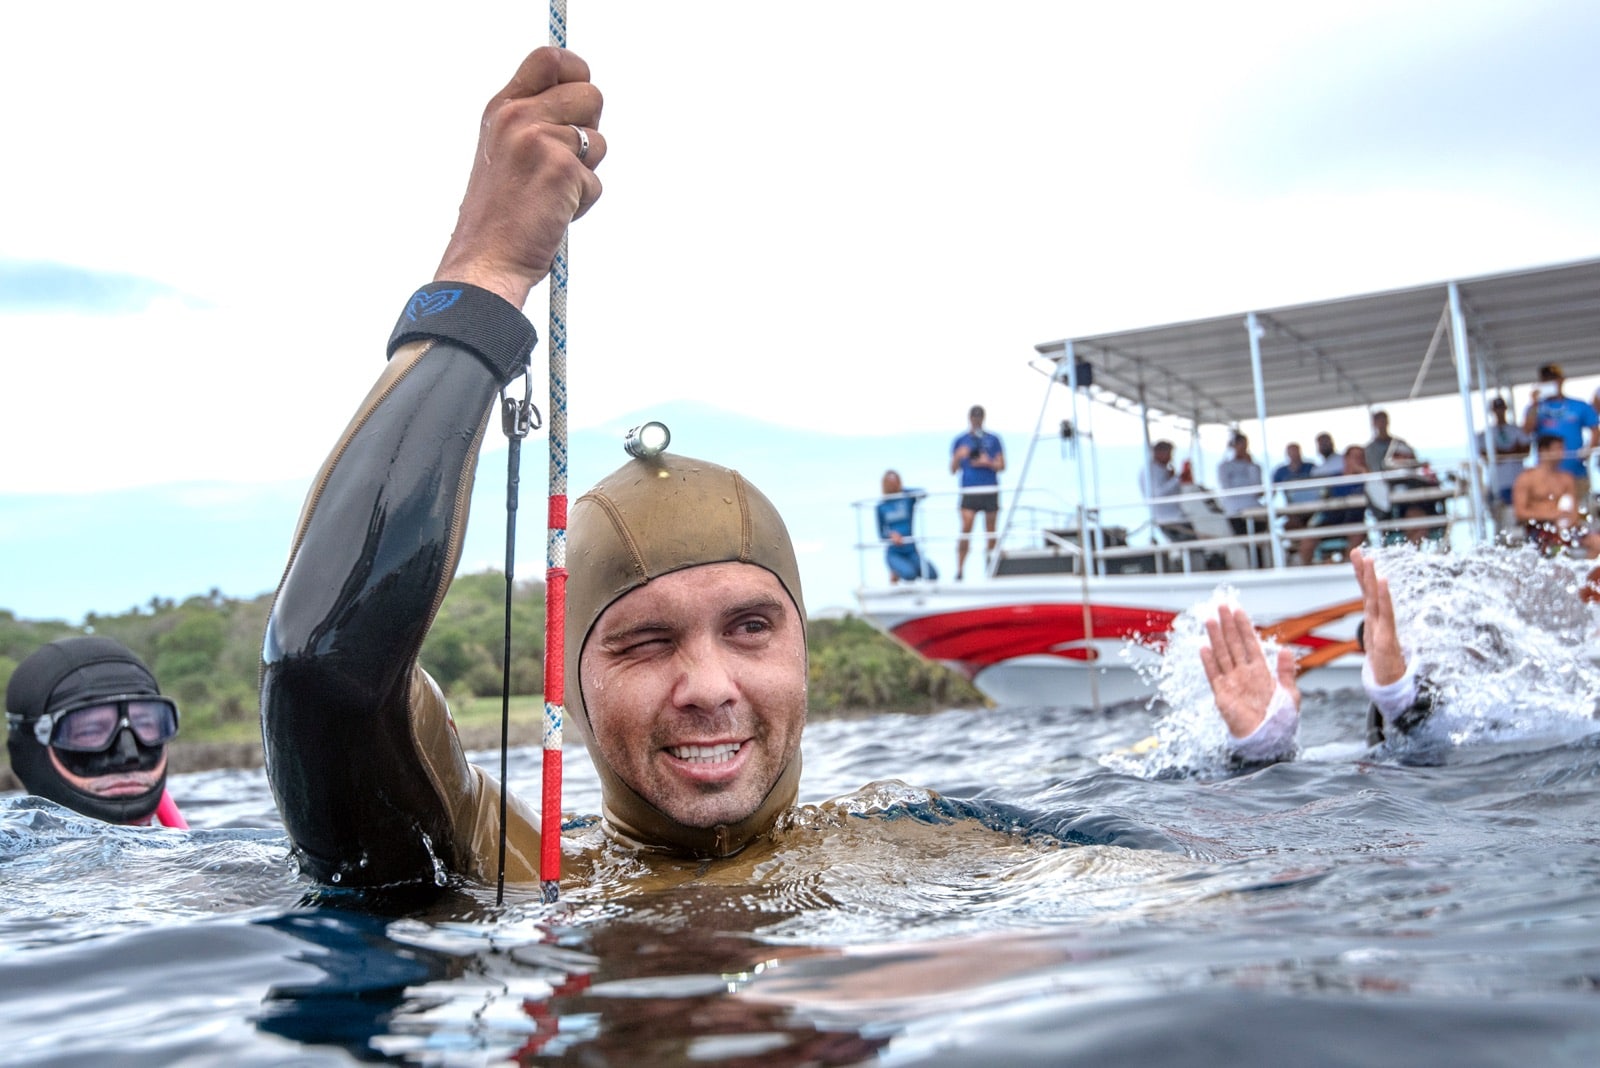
x: 70, y: 671
x: 646, y: 519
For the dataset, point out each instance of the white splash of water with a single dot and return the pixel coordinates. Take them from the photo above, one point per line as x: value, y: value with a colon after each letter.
x: 1502, y: 636
x: 1191, y: 738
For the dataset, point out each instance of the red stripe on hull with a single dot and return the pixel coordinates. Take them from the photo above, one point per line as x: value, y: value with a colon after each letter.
x: 981, y: 637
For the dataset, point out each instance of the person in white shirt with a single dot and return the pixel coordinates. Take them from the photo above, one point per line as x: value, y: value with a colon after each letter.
x: 1239, y: 478
x: 1158, y: 480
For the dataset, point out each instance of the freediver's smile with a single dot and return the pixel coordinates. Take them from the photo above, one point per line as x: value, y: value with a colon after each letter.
x: 706, y: 754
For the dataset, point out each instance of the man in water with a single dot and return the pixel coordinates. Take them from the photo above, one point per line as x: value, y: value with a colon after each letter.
x: 685, y: 648
x: 979, y: 457
x: 1260, y: 702
x: 88, y: 729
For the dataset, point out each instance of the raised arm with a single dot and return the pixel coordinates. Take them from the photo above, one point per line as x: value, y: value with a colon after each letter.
x: 1400, y: 701
x: 361, y: 755
x: 1259, y: 702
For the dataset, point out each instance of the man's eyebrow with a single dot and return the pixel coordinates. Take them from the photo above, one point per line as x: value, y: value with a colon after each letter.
x: 762, y: 602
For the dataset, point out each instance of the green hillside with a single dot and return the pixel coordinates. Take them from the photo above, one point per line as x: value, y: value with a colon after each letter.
x: 206, y: 650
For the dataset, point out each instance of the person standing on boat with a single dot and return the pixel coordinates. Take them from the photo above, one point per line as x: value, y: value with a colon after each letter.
x: 979, y: 458
x: 1511, y: 447
x: 89, y: 729
x: 896, y: 518
x: 1240, y: 484
x: 1380, y: 450
x: 1552, y: 412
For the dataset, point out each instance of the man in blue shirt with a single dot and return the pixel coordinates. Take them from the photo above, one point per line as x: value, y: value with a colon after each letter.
x: 979, y: 457
x: 1295, y: 468
x: 1567, y: 418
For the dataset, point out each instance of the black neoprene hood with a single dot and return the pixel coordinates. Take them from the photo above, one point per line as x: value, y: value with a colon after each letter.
x: 71, y: 671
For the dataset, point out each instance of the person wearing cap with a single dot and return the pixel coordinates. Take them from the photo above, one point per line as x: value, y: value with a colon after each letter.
x: 684, y: 648
x: 1510, y: 446
x: 88, y: 729
x: 978, y: 457
x: 1554, y: 413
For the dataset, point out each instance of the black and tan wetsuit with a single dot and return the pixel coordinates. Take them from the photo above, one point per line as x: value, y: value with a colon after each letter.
x: 364, y: 762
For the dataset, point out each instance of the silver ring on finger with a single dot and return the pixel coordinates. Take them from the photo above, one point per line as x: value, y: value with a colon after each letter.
x: 583, y: 141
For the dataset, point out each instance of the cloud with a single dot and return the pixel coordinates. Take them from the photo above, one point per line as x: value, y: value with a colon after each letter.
x: 43, y: 287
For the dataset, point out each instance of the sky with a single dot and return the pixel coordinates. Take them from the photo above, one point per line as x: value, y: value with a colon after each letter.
x: 855, y: 220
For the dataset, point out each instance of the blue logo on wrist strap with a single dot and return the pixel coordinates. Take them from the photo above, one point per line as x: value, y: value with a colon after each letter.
x: 424, y: 304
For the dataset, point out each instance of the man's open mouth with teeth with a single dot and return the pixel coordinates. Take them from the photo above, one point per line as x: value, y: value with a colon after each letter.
x: 706, y: 754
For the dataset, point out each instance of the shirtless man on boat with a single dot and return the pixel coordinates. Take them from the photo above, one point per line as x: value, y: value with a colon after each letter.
x: 1545, y: 499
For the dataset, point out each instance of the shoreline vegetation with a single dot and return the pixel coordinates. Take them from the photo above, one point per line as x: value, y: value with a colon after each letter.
x: 205, y: 651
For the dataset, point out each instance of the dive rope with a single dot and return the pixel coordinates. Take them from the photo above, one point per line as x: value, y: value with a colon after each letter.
x: 517, y: 419
x: 555, y: 605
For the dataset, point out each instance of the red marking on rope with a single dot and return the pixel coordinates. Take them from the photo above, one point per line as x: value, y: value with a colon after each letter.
x: 555, y: 646
x: 550, y: 818
x: 555, y: 631
x: 558, y: 512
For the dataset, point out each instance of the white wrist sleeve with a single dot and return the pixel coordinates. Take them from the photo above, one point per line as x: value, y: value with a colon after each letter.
x: 1274, y: 737
x: 1395, y: 698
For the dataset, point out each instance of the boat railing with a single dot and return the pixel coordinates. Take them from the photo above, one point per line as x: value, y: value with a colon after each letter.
x: 1044, y: 535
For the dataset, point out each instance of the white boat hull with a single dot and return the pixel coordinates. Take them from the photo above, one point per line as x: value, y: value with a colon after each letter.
x: 1027, y: 640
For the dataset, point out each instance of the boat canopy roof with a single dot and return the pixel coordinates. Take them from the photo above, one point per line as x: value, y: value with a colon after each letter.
x: 1363, y: 350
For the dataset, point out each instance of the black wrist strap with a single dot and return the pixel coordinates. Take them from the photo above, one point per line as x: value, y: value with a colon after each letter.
x: 484, y: 323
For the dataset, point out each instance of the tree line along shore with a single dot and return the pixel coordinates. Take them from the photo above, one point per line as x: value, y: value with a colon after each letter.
x: 206, y: 651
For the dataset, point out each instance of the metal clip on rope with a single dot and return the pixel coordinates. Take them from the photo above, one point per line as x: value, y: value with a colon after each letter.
x: 519, y: 418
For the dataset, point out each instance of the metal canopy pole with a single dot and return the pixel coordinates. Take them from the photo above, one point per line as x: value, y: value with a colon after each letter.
x: 1088, y: 560
x: 1144, y: 428
x: 1253, y: 328
x: 1458, y: 342
x: 1492, y: 454
x: 992, y: 565
x: 1083, y: 487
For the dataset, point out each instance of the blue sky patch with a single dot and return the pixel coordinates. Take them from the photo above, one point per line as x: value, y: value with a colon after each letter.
x: 40, y: 286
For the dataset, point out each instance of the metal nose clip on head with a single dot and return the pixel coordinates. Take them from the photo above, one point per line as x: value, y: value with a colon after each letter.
x: 647, y: 440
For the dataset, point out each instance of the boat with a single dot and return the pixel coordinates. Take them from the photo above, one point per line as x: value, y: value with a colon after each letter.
x: 1074, y: 605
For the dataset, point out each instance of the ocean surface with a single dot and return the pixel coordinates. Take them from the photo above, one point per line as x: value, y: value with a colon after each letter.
x: 1006, y: 886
